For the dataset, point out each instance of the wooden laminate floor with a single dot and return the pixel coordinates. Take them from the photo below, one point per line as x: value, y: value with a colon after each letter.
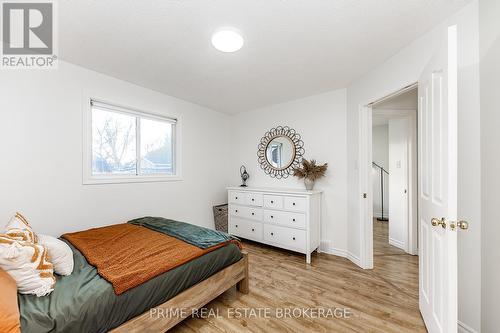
x: 384, y: 299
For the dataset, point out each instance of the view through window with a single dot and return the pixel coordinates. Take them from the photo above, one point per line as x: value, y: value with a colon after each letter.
x: 131, y: 143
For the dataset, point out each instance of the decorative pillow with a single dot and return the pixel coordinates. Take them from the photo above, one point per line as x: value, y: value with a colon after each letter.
x: 27, y: 263
x: 60, y: 254
x: 9, y: 310
x: 19, y: 229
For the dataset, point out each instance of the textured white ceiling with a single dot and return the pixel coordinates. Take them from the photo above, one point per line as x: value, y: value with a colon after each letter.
x: 293, y: 48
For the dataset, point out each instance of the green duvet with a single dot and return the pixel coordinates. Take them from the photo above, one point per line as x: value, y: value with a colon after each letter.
x: 85, y: 302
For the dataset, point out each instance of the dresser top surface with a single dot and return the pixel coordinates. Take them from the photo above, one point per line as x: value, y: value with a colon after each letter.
x: 273, y: 190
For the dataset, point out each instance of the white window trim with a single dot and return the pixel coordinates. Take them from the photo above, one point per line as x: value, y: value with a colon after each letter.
x: 90, y: 179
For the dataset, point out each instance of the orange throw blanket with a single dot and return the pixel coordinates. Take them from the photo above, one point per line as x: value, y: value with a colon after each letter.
x: 128, y: 255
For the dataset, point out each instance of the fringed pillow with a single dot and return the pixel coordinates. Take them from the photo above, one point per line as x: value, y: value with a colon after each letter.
x: 18, y: 228
x: 27, y: 263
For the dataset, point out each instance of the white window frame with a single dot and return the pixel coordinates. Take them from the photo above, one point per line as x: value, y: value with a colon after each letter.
x: 89, y: 178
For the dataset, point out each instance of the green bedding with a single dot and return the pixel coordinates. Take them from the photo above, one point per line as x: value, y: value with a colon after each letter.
x: 85, y: 302
x: 189, y: 233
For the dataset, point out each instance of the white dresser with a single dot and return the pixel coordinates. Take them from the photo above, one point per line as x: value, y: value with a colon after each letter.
x: 289, y: 219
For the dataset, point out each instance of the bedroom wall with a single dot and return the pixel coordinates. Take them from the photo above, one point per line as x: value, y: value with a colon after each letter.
x: 321, y: 121
x: 41, y: 135
x: 404, y: 69
x: 380, y: 151
x: 489, y: 12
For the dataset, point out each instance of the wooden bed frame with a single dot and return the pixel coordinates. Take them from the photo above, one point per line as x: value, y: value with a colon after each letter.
x: 191, y: 299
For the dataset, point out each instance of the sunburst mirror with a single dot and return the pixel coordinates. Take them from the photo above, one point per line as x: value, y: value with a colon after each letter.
x: 280, y: 151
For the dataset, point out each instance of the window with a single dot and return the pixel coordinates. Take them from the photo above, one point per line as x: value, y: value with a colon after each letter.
x: 127, y: 145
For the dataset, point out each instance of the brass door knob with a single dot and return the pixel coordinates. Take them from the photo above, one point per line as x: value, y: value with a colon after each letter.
x: 464, y: 225
x: 435, y: 222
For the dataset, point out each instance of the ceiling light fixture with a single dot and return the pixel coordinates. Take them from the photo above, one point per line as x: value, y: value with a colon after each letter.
x: 227, y: 40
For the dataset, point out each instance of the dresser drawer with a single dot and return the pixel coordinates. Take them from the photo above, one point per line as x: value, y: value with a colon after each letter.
x: 273, y: 201
x: 296, y: 204
x: 235, y: 210
x: 237, y: 197
x: 253, y: 199
x: 287, y: 219
x: 288, y: 237
x: 252, y: 213
x: 245, y: 228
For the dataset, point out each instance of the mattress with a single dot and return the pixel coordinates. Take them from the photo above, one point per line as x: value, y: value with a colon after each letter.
x: 85, y: 302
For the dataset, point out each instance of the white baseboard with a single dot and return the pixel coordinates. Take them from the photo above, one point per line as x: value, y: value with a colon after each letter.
x: 463, y: 328
x: 326, y: 248
x: 397, y: 243
x: 337, y: 252
x: 353, y: 258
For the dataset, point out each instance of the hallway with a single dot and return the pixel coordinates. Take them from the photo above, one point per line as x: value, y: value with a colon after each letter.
x: 392, y: 264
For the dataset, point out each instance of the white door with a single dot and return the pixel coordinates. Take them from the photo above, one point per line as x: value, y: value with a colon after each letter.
x: 438, y: 188
x: 398, y: 184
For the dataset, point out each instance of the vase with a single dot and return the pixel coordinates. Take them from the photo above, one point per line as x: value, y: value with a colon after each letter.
x: 309, y: 184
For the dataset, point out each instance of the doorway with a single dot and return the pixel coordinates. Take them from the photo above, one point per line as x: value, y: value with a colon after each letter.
x: 388, y: 161
x: 365, y: 159
x: 394, y: 173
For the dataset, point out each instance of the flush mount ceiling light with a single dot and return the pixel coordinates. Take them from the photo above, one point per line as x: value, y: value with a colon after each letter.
x: 227, y: 40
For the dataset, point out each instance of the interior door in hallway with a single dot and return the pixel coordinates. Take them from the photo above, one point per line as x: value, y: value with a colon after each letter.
x: 398, y: 185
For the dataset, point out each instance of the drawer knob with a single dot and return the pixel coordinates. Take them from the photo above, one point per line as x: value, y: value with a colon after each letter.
x: 293, y: 203
x: 293, y: 220
x: 253, y: 214
x: 236, y: 226
x: 236, y: 211
x: 272, y: 201
x: 253, y: 199
x: 293, y: 238
x: 236, y: 198
x: 272, y: 217
x: 253, y: 229
x: 272, y: 233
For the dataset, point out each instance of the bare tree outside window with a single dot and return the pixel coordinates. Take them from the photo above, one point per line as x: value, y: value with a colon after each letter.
x: 115, y: 142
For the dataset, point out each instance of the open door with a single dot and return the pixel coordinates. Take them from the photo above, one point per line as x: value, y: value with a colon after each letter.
x: 438, y: 188
x: 399, y: 132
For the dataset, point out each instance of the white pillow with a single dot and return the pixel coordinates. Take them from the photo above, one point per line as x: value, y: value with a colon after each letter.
x: 27, y: 263
x: 60, y: 254
x: 20, y: 229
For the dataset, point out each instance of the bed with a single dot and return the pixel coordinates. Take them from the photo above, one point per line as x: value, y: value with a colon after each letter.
x: 86, y: 302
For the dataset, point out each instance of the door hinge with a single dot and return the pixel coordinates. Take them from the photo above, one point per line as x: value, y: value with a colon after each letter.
x: 364, y: 195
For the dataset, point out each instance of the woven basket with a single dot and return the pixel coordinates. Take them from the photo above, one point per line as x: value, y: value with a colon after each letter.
x: 220, y: 217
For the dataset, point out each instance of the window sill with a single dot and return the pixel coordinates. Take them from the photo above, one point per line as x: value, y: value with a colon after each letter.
x: 124, y: 180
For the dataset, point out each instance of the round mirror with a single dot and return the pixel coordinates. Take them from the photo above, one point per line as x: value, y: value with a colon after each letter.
x: 280, y: 151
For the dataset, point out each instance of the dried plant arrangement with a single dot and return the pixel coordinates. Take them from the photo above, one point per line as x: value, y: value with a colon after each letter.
x: 310, y: 172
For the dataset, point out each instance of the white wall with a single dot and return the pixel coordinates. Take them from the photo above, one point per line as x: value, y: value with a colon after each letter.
x: 380, y: 150
x: 489, y: 13
x: 41, y: 135
x: 402, y: 70
x: 321, y: 121
x: 398, y: 170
